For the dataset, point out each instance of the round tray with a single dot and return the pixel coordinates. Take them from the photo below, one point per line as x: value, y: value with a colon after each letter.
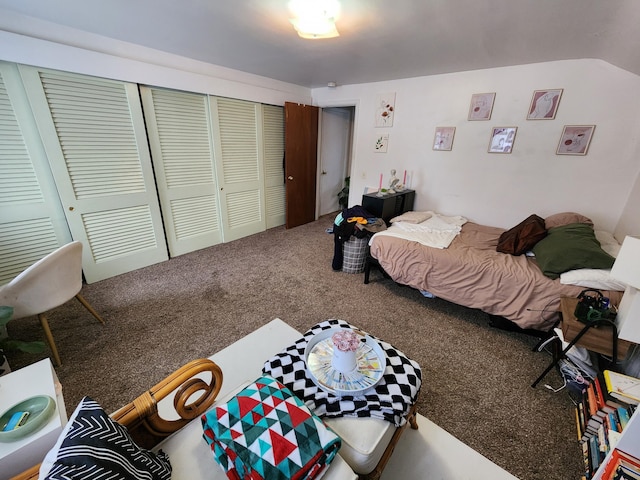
x: 40, y: 409
x: 371, y: 364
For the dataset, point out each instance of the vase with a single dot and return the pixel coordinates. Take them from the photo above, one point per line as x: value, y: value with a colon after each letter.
x: 345, y: 347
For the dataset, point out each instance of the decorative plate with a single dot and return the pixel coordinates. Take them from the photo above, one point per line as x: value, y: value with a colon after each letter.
x: 40, y: 409
x: 371, y: 364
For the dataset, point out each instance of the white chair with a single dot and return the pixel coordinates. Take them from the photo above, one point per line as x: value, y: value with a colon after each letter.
x: 48, y: 283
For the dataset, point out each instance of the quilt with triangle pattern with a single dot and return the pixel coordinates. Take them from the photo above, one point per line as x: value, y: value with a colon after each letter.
x: 266, y: 432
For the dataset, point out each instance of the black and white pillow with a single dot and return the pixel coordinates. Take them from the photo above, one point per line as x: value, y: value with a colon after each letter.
x: 92, y: 445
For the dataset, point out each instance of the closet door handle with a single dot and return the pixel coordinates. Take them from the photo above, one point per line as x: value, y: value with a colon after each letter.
x: 289, y: 177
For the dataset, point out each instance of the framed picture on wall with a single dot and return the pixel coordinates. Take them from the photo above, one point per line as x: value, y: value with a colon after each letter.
x: 481, y: 106
x: 443, y: 139
x: 382, y: 143
x: 502, y: 139
x: 385, y: 109
x: 575, y: 139
x: 544, y: 104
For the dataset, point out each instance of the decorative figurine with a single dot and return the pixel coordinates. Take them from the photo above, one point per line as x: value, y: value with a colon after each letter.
x: 393, y: 182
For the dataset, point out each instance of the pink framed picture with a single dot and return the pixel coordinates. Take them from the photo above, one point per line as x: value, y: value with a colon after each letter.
x: 443, y: 139
x: 481, y: 106
x: 544, y: 104
x: 575, y: 139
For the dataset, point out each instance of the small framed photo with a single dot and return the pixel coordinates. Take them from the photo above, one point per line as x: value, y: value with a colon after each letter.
x: 544, y: 104
x: 443, y: 139
x: 575, y: 139
x: 502, y: 139
x: 481, y: 106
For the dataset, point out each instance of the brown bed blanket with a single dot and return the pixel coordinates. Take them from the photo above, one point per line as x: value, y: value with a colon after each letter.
x: 470, y: 272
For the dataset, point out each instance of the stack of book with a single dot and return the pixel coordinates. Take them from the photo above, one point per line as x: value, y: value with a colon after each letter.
x: 621, y: 466
x: 602, y: 413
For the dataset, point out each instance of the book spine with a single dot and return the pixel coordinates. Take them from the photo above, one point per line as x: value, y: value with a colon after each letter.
x: 591, y: 398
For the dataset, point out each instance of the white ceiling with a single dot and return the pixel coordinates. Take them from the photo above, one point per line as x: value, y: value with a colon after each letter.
x: 380, y: 39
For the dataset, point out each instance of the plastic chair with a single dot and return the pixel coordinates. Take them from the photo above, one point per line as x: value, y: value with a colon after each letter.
x: 48, y: 283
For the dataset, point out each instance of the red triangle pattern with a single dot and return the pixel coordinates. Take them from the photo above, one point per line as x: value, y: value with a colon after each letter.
x: 256, y: 417
x: 220, y: 412
x: 267, y: 409
x: 281, y: 447
x: 297, y: 415
x: 246, y: 404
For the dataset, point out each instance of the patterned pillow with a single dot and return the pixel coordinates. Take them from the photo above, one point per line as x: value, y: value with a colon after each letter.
x: 93, y: 445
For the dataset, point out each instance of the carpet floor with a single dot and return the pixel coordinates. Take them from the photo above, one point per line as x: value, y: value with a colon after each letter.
x: 476, y: 378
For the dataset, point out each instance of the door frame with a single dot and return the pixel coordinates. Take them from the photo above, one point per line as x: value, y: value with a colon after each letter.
x: 352, y: 153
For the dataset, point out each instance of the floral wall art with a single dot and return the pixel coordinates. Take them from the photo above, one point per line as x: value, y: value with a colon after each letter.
x: 385, y: 109
x: 382, y: 143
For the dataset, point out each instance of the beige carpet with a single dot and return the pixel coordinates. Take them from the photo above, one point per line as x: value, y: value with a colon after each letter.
x: 476, y: 378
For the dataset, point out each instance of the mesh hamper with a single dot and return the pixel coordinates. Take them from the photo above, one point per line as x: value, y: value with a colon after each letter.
x: 354, y: 252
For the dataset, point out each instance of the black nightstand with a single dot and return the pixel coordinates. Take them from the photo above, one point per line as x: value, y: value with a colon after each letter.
x: 389, y: 206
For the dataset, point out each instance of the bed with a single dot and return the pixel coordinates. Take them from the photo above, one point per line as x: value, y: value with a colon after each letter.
x: 460, y: 264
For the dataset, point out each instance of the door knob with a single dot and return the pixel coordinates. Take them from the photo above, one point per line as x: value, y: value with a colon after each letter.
x: 289, y: 177
x: 324, y: 172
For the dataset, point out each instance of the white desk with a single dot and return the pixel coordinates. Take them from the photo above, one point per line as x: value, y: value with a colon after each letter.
x: 36, y: 379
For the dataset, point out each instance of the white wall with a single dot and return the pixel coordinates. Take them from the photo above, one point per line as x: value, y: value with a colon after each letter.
x: 496, y: 189
x: 76, y: 51
x: 502, y: 189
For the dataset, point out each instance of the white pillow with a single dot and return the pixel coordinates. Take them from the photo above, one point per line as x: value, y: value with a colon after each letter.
x: 412, y: 217
x: 592, y: 278
x: 608, y: 242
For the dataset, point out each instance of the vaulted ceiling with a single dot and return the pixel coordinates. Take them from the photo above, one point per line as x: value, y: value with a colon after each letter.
x: 379, y: 39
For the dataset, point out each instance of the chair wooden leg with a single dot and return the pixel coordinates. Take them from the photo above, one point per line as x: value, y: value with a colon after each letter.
x: 89, y: 307
x: 52, y: 344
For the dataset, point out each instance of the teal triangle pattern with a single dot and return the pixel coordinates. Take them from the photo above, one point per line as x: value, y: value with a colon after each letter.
x: 276, y: 437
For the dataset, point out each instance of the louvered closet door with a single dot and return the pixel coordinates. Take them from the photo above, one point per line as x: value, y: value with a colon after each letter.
x: 93, y: 132
x: 273, y: 134
x: 239, y: 166
x: 32, y: 222
x: 179, y: 130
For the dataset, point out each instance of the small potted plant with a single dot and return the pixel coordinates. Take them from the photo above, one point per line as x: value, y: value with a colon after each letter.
x: 8, y: 344
x: 343, y: 195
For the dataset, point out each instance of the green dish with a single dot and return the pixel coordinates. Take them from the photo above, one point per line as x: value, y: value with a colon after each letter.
x: 40, y: 409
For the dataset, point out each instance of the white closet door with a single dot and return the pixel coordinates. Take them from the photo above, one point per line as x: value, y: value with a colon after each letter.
x: 239, y: 164
x: 273, y: 134
x: 94, y: 135
x: 179, y: 130
x: 32, y: 222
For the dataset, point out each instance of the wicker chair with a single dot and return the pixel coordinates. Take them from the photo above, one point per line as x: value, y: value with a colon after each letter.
x: 141, y: 417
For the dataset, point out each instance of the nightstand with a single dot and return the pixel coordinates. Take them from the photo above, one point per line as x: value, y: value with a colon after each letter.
x: 388, y: 206
x: 36, y: 379
x: 600, y: 336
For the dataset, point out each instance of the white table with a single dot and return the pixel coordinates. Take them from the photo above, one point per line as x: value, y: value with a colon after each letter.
x: 36, y: 379
x: 241, y: 363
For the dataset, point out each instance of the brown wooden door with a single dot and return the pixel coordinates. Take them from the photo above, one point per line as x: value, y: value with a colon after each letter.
x: 300, y: 157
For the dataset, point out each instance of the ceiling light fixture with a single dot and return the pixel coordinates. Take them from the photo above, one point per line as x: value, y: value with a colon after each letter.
x: 315, y: 19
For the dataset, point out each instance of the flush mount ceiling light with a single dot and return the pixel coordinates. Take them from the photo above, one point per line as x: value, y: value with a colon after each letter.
x: 315, y: 19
